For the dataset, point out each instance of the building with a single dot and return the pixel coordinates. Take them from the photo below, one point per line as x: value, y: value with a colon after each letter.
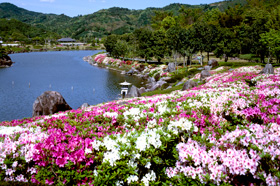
x: 66, y: 40
x: 69, y: 42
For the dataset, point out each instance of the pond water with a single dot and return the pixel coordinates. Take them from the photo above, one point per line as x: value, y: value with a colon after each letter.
x: 61, y: 71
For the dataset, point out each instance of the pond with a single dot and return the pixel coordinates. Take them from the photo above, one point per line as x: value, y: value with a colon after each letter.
x: 61, y: 71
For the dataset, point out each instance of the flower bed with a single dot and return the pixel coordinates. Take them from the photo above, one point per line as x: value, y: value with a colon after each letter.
x: 102, y: 59
x: 226, y: 131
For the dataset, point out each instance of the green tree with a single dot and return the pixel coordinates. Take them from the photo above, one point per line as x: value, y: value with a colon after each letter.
x: 206, y: 35
x: 189, y: 44
x: 110, y: 43
x: 145, y: 42
x: 271, y: 40
x: 160, y: 44
x: 174, y: 40
x: 227, y: 45
x: 121, y: 49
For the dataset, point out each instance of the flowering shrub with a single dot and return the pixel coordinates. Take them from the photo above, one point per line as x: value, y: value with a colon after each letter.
x: 103, y: 59
x: 223, y: 132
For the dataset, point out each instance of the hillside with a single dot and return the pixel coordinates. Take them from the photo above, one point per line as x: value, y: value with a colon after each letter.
x: 113, y: 20
x: 15, y: 30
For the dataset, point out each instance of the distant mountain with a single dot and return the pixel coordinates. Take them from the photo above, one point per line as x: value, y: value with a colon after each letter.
x: 113, y: 20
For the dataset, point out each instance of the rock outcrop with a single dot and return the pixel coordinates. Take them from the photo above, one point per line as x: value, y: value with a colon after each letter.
x: 204, y: 74
x: 49, y: 102
x: 268, y: 69
x: 171, y: 67
x: 213, y: 63
x: 5, y: 61
x: 133, y: 92
x: 189, y: 85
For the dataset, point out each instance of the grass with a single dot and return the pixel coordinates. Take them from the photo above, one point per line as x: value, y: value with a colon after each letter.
x: 159, y: 91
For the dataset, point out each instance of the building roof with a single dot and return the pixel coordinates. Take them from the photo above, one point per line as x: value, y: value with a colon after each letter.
x: 66, y: 40
x: 125, y: 83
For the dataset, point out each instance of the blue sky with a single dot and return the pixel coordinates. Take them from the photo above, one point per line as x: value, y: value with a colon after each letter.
x: 82, y: 7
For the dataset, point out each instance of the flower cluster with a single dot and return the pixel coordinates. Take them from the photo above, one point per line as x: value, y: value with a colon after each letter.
x: 225, y: 131
x: 105, y: 60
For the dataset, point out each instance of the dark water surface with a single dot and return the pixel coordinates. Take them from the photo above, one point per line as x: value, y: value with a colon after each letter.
x: 63, y: 71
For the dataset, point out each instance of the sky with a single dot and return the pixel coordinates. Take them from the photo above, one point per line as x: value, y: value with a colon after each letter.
x: 82, y: 7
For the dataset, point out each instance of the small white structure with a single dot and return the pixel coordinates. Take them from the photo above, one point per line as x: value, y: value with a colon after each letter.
x: 124, y: 89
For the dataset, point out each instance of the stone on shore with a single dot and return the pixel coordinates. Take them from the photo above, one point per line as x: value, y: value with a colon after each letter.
x: 133, y: 92
x: 49, y: 102
x: 5, y: 61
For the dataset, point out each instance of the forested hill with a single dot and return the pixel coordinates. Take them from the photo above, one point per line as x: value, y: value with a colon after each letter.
x: 113, y: 20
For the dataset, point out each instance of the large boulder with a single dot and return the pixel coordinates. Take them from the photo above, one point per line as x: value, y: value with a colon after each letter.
x: 204, y: 74
x: 133, y: 92
x: 268, y: 69
x: 49, y: 102
x: 171, y: 67
x: 213, y: 63
x: 189, y: 85
x: 5, y: 61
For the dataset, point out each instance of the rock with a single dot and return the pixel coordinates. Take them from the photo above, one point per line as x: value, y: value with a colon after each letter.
x: 268, y: 69
x: 151, y: 80
x: 144, y: 76
x: 156, y: 86
x: 123, y: 103
x: 133, y: 92
x: 231, y: 69
x: 171, y: 67
x: 167, y: 79
x: 189, y: 85
x: 142, y: 90
x: 200, y: 68
x: 180, y: 83
x: 207, y: 67
x: 123, y: 72
x: 204, y: 74
x: 49, y: 102
x: 5, y: 61
x: 160, y: 83
x: 157, y: 76
x: 213, y: 63
x: 85, y: 105
x: 141, y: 67
x: 169, y: 87
x: 131, y: 71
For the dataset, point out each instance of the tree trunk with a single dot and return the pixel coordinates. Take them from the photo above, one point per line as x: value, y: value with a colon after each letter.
x: 184, y: 61
x: 262, y: 58
x: 226, y: 58
x: 189, y: 61
x: 201, y: 63
x: 208, y: 56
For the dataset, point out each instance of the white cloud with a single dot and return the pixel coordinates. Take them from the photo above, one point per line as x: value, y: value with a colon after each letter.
x: 49, y: 1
